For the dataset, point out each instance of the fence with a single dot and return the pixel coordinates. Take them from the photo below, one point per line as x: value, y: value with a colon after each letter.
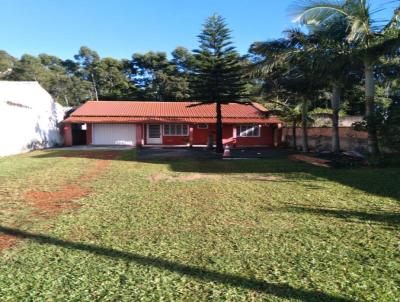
x: 320, y: 138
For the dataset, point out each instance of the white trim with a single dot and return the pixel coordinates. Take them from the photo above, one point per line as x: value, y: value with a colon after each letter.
x: 154, y: 140
x: 249, y: 125
x: 186, y: 133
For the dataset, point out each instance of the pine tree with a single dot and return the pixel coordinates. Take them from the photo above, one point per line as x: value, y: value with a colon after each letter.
x: 218, y: 77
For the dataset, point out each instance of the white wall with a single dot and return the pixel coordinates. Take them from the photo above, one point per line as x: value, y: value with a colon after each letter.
x: 28, y: 118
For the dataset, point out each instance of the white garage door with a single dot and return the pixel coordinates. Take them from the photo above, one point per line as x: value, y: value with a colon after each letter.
x: 114, y: 134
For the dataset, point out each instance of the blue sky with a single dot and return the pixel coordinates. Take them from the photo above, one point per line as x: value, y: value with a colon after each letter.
x: 118, y: 28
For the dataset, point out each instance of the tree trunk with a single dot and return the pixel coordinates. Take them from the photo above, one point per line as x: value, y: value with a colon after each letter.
x: 94, y: 88
x: 294, y: 135
x: 219, y: 145
x: 66, y: 100
x: 304, y: 115
x: 335, y: 102
x: 370, y: 108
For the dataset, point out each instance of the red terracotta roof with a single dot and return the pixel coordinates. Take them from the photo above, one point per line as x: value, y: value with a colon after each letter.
x: 189, y: 112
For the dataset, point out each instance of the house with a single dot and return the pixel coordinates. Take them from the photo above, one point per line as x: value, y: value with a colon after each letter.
x: 171, y: 123
x: 29, y: 118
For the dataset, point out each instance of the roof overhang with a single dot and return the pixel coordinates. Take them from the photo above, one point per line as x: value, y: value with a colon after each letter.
x: 188, y: 120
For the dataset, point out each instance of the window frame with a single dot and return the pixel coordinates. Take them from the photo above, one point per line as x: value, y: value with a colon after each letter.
x: 240, y: 131
x: 202, y: 126
x: 183, y: 126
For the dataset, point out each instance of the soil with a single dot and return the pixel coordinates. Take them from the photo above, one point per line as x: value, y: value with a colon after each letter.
x: 320, y: 162
x: 48, y: 204
x: 106, y: 155
x: 56, y: 201
x: 189, y: 177
x: 7, y: 241
x: 261, y: 178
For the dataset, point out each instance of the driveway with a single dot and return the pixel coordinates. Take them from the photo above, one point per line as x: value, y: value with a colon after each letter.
x: 203, y: 153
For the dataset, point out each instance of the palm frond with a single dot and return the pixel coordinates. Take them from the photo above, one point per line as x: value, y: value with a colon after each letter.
x: 316, y: 12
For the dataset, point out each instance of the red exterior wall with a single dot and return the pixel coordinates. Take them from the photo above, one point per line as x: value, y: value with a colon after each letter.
x: 196, y: 136
x: 266, y: 138
x: 168, y: 140
x: 175, y: 140
x: 89, y: 134
x: 139, y: 135
x: 67, y: 135
x: 200, y: 136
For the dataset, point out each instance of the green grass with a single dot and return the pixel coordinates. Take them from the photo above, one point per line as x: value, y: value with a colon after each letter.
x: 186, y: 230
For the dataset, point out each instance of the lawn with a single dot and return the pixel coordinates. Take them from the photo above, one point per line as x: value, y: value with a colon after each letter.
x: 91, y: 226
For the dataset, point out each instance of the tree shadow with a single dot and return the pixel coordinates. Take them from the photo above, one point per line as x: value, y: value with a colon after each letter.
x: 276, y: 289
x: 87, y: 154
x: 378, y: 217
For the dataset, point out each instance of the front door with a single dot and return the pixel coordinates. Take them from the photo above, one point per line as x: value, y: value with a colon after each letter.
x: 154, y: 134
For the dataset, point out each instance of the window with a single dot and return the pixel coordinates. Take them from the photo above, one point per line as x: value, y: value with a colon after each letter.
x: 176, y: 130
x: 249, y: 130
x: 202, y: 126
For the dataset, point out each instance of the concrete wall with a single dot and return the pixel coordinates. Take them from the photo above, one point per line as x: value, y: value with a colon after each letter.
x: 320, y: 138
x: 28, y: 118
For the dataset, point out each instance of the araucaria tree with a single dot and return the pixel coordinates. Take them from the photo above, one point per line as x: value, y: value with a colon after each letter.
x: 217, y: 74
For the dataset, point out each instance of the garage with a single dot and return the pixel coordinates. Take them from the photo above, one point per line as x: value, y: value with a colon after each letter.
x: 114, y: 134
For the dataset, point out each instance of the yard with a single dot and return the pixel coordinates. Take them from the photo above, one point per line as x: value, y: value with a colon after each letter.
x: 105, y: 225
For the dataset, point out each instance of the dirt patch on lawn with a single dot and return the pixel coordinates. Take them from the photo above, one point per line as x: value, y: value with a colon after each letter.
x: 56, y: 201
x: 95, y: 171
x: 184, y: 177
x: 106, y: 155
x: 60, y: 200
x: 260, y: 177
x: 315, y: 161
x: 7, y: 241
x: 50, y: 203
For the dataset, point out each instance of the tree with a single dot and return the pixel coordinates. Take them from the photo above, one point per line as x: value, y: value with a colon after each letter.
x: 291, y: 66
x: 28, y: 68
x: 217, y: 73
x: 369, y: 43
x: 162, y: 79
x: 334, y: 59
x: 290, y: 112
x: 6, y: 63
x: 111, y: 80
x: 87, y: 60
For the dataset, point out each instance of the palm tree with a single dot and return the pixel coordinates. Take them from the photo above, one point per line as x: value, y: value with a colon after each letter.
x: 368, y: 42
x: 288, y: 110
x: 290, y: 62
x: 335, y: 62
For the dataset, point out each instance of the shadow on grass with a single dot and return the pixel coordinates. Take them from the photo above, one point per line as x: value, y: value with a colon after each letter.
x: 275, y: 289
x: 377, y: 181
x: 390, y: 219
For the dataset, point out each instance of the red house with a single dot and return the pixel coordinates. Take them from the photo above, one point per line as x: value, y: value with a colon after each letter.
x: 170, y: 123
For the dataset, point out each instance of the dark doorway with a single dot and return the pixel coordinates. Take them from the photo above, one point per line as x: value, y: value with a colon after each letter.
x: 78, y: 134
